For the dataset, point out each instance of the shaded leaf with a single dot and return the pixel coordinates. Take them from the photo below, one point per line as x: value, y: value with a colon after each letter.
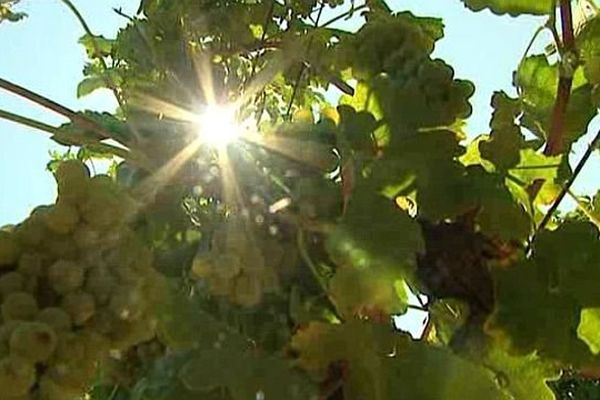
x: 512, y: 7
x: 89, y: 85
x: 538, y: 81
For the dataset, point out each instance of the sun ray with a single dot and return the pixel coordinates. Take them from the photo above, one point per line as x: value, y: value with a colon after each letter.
x: 162, y: 107
x: 204, y: 75
x: 147, y: 189
x: 312, y: 154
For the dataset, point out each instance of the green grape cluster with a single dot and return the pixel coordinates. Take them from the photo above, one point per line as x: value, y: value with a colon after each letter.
x: 237, y: 267
x: 392, y: 54
x: 428, y: 97
x: 388, y: 44
x: 75, y: 284
x: 132, y: 363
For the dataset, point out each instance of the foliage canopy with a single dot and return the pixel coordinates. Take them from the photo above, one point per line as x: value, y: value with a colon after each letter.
x: 284, y: 255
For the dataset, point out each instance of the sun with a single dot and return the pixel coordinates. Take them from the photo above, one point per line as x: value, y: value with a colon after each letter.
x: 218, y: 125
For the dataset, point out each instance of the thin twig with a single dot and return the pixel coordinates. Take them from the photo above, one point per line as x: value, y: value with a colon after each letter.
x: 263, y: 37
x: 528, y: 48
x: 113, y: 393
x: 120, y: 12
x: 31, y: 123
x: 590, y: 150
x: 301, y: 244
x: 76, y: 139
x: 303, y: 65
x: 344, y: 15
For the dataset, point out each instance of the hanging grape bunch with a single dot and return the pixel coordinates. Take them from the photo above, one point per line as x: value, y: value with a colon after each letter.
x: 241, y: 264
x: 74, y: 284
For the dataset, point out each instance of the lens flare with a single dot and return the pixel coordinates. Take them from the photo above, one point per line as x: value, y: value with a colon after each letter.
x: 218, y: 125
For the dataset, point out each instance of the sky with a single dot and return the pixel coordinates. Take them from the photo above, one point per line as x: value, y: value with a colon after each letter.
x: 41, y: 53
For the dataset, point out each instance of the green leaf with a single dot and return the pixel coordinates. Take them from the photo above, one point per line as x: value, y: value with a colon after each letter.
x: 357, y: 128
x: 505, y: 140
x: 447, y: 376
x: 576, y: 271
x: 7, y: 12
x: 588, y: 44
x: 244, y: 375
x: 539, y: 301
x: 97, y: 46
x: 538, y: 82
x: 589, y: 328
x: 375, y: 232
x: 533, y: 166
x: 89, y: 85
x: 364, y: 100
x: 361, y: 291
x: 473, y: 155
x: 512, y: 7
x: 382, y: 365
x: 447, y: 317
x: 532, y: 316
x: 363, y: 345
x: 524, y: 377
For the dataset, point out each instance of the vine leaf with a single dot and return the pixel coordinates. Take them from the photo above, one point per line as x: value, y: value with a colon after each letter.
x: 8, y: 14
x: 384, y: 365
x: 505, y: 140
x: 539, y: 301
x: 512, y: 7
x: 244, y: 375
x: 575, y: 271
x: 375, y: 232
x: 533, y: 166
x: 538, y: 80
x: 529, y: 316
x: 361, y: 291
x: 589, y: 328
x: 89, y: 85
x: 524, y: 377
x: 97, y: 46
x: 589, y: 52
x: 499, y: 216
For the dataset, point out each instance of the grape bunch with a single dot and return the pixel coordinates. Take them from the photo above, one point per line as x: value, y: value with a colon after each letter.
x: 392, y: 54
x: 240, y: 266
x: 388, y: 44
x: 126, y: 369
x: 75, y: 284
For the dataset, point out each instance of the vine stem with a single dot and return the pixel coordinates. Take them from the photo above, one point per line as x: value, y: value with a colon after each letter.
x: 592, y: 146
x: 308, y: 260
x: 76, y: 118
x: 344, y: 15
x: 565, y: 82
x: 301, y: 243
x: 31, y: 123
x: 555, y: 140
x: 81, y: 141
x: 303, y: 65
